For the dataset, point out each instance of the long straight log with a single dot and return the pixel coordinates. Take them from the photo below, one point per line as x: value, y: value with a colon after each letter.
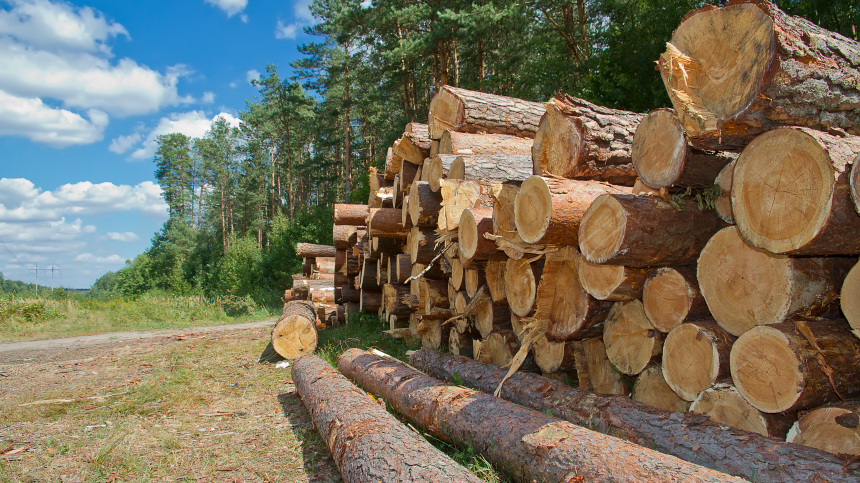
x: 459, y: 143
x: 532, y: 446
x: 687, y: 436
x: 355, y: 215
x: 385, y: 223
x: 491, y: 167
x: 344, y: 236
x: 366, y: 442
x: 311, y: 250
x: 471, y: 111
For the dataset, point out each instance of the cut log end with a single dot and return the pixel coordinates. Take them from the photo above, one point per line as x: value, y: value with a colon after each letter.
x: 831, y: 428
x: 651, y: 389
x: 294, y: 336
x: 468, y: 234
x: 557, y: 144
x: 691, y: 361
x: 850, y: 297
x: 659, y: 149
x: 723, y: 203
x: 533, y: 209
x: 667, y: 298
x: 520, y: 286
x: 766, y: 370
x: 602, y: 229
x: 724, y: 404
x: 631, y: 341
x: 600, y: 281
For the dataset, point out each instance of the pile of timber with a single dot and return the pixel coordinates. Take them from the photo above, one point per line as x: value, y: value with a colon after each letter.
x: 701, y: 258
x: 317, y: 282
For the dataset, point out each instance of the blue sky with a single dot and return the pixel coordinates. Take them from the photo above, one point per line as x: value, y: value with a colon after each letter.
x: 86, y: 86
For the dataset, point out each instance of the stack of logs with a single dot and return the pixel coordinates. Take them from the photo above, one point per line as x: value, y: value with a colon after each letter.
x: 692, y: 258
x: 320, y: 275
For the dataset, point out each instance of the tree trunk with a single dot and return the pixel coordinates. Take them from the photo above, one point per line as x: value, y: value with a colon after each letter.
x: 366, y: 442
x: 301, y: 288
x: 573, y: 313
x: 724, y: 404
x: 521, y: 285
x: 422, y: 248
x: 491, y: 167
x: 437, y: 169
x: 350, y: 214
x: 490, y: 317
x: 671, y: 296
x: 549, y: 210
x: 684, y: 435
x: 478, y: 112
x: 796, y: 365
x: 832, y: 428
x: 459, y: 143
x: 578, y: 139
x: 459, y: 195
x: 631, y: 341
x: 745, y: 287
x: 371, y: 300
x: 392, y: 162
x: 424, y: 204
x: 593, y: 369
x: 344, y: 236
x: 780, y: 74
x: 791, y: 193
x: 414, y: 146
x: 310, y: 250
x: 651, y: 389
x: 295, y: 333
x: 662, y: 157
x: 645, y: 231
x: 615, y: 283
x: 495, y: 275
x: 695, y: 357
x: 385, y: 223
x: 472, y: 244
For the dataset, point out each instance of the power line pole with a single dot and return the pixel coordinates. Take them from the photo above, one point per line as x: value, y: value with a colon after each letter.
x: 36, y: 271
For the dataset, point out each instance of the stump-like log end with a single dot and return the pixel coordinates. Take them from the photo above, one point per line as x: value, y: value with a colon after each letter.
x: 832, y: 429
x: 766, y: 370
x: 558, y: 144
x: 570, y: 303
x: 446, y: 112
x: 600, y: 281
x: 548, y: 355
x: 467, y: 234
x: 651, y: 389
x: 724, y: 404
x: 659, y: 149
x: 715, y: 65
x: 849, y: 297
x: 631, y: 341
x: 520, y: 286
x: 691, y: 361
x: 602, y: 228
x: 294, y: 336
x: 667, y: 298
x: 533, y: 209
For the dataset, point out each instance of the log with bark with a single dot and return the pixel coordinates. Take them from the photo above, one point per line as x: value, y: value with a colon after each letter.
x: 414, y: 146
x: 645, y: 231
x: 434, y: 293
x: 367, y: 277
x: 504, y: 217
x: 339, y: 260
x: 392, y: 163
x: 422, y: 245
x: 490, y: 317
x: 685, y: 435
x: 529, y: 444
x: 381, y: 247
x: 491, y: 167
x: 832, y: 428
x: 580, y: 140
x: 723, y: 203
x: 791, y: 193
x: 295, y: 333
x: 779, y: 74
x: 371, y: 300
x: 408, y: 174
x: 355, y: 215
x: 348, y: 293
x: 494, y: 273
x: 376, y: 183
x: 322, y: 295
x: 474, y: 279
x: 745, y: 286
x: 437, y: 169
x: 462, y: 110
x: 695, y: 357
x: 615, y: 283
x: 344, y: 236
x: 301, y: 288
x: 554, y: 357
x: 594, y: 370
x: 459, y: 143
x: 631, y: 341
x: 662, y: 158
x: 499, y: 348
x: 724, y: 404
x: 400, y: 269
x: 366, y: 442
x: 311, y: 250
x: 671, y: 295
x: 796, y: 365
x: 472, y: 244
x: 651, y: 389
x: 385, y: 223
x: 549, y: 210
x: 459, y: 195
x: 424, y: 204
x: 392, y: 295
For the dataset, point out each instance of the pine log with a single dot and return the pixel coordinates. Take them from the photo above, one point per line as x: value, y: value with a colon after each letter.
x: 295, y: 333
x: 671, y: 295
x: 724, y: 404
x: 376, y: 182
x: 392, y: 162
x: 723, y: 203
x: 459, y: 195
x: 311, y: 250
x: 462, y: 110
x: 325, y: 264
x: 745, y: 286
x: 366, y: 442
x: 344, y: 236
x: 385, y: 223
x: 355, y: 215
x: 504, y: 216
x: 549, y: 210
x: 631, y: 341
x: 796, y: 365
x: 494, y: 273
x: 434, y: 147
x: 408, y: 175
x: 662, y: 158
x: 580, y: 140
x: 349, y: 294
x: 685, y: 435
x: 392, y: 295
x: 459, y: 344
x: 422, y: 245
x: 436, y: 169
x: 594, y: 370
x: 401, y: 269
x: 832, y: 428
x: 380, y: 246
x: 791, y: 193
x: 651, y: 389
x: 573, y: 314
x: 396, y: 195
x: 301, y: 288
x: 491, y: 167
x: 322, y: 276
x: 367, y: 277
x: 382, y: 271
x: 414, y: 146
x: 322, y: 295
x: 780, y: 74
x: 645, y: 231
x: 695, y: 357
x: 340, y: 278
x: 353, y: 267
x: 499, y: 349
x: 339, y: 260
x: 461, y: 302
x: 371, y: 300
x: 459, y: 143
x: 472, y: 244
x: 434, y: 293
x: 521, y: 284
x: 424, y: 204
x: 473, y: 280
x: 615, y: 283
x: 490, y: 317
x: 431, y: 334
x: 352, y: 309
x: 554, y: 357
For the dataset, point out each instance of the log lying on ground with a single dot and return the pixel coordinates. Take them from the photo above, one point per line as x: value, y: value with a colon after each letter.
x: 355, y: 215
x: 594, y: 370
x: 724, y: 404
x: 723, y: 203
x: 578, y: 139
x: 834, y: 428
x: 295, y: 334
x: 491, y: 167
x: 385, y: 223
x: 459, y: 143
x: 644, y: 231
x: 462, y: 110
x: 531, y: 445
x: 615, y: 283
x: 778, y: 75
x: 549, y: 210
x: 695, y: 357
x: 424, y: 204
x: 366, y: 442
x: 685, y: 435
x: 745, y: 286
x: 671, y: 296
x: 791, y: 193
x: 311, y: 250
x: 796, y: 365
x: 414, y: 146
x: 651, y: 389
x: 631, y: 341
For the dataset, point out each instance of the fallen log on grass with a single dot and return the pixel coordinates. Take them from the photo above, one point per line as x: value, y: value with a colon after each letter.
x: 366, y: 442
x: 295, y: 334
x: 685, y: 435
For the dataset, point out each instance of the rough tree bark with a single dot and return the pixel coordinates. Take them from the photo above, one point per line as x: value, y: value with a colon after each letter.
x: 424, y: 204
x: 311, y: 250
x: 470, y: 111
x: 355, y: 215
x: 491, y: 167
x: 459, y: 143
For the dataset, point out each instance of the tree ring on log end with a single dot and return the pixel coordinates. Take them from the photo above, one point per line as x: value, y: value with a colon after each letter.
x: 659, y: 149
x: 457, y: 169
x: 631, y: 341
x: 557, y: 145
x: 724, y: 404
x: 602, y: 228
x: 520, y: 286
x: 433, y: 172
x: 467, y: 235
x: 820, y: 428
x: 849, y: 297
x: 691, y: 361
x: 548, y: 355
x: 600, y: 281
x: 782, y: 190
x: 533, y: 209
x: 766, y: 370
x: 570, y: 302
x: 666, y: 298
x: 294, y: 336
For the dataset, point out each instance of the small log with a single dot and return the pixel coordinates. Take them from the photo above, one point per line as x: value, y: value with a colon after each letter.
x: 371, y: 300
x: 340, y: 278
x: 504, y: 216
x: 521, y: 284
x: 459, y: 143
x: 745, y: 286
x: 393, y: 294
x: 473, y: 280
x: 353, y: 267
x: 671, y: 295
x: 339, y: 260
x: 301, y: 288
x: 462, y: 110
x: 832, y: 428
x: 459, y: 195
x: 574, y: 314
x: 312, y: 250
x: 380, y: 247
x: 580, y: 140
x: 491, y: 167
x: 376, y: 182
x: 594, y: 370
x: 791, y: 193
x: 723, y: 203
x: 645, y: 231
x: 461, y: 302
x: 615, y: 283
x: 473, y: 245
x: 849, y: 298
x: 385, y: 223
x: 549, y: 210
x: 325, y: 264
x: 662, y: 158
x: 490, y: 317
x: 414, y: 146
x: 724, y: 404
x: 400, y: 269
x: 434, y: 293
x: 322, y: 295
x: 436, y: 169
x: 424, y: 204
x: 796, y: 365
x: 392, y: 162
x: 344, y: 236
x: 408, y: 175
x: 348, y: 293
x: 651, y: 389
x: 422, y: 245
x: 322, y: 276
x: 367, y: 277
x: 295, y: 332
x: 553, y: 357
x: 459, y: 344
x: 355, y: 215
x: 382, y: 271
x: 631, y: 341
x: 695, y: 357
x: 494, y: 273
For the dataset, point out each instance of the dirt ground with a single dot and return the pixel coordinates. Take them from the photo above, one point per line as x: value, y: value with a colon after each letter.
x: 192, y: 406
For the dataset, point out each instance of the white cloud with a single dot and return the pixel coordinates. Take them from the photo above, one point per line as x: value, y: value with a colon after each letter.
x: 208, y: 97
x: 33, y: 119
x: 286, y: 31
x: 252, y: 75
x: 109, y: 260
x: 230, y: 7
x: 193, y: 124
x: 233, y: 85
x: 125, y: 236
x: 366, y: 3
x: 123, y: 143
x: 302, y: 17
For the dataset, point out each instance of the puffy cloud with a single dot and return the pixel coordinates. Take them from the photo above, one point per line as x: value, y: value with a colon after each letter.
x: 286, y: 31
x: 302, y: 17
x: 109, y: 260
x: 252, y: 75
x: 193, y: 124
x: 125, y: 236
x: 230, y: 7
x: 208, y: 97
x: 33, y: 119
x: 123, y: 143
